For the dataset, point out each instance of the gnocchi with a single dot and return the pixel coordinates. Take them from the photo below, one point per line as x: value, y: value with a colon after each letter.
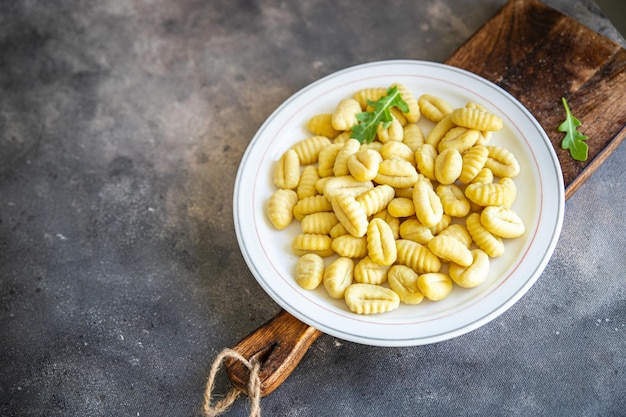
x: 405, y: 218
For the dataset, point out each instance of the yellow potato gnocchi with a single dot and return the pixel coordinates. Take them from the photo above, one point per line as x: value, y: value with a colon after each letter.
x: 371, y: 299
x: 403, y: 281
x: 381, y: 244
x: 484, y: 239
x: 351, y: 214
x: 475, y: 118
x: 308, y: 180
x: 434, y: 285
x: 397, y: 173
x: 472, y: 275
x: 310, y: 271
x: 308, y: 149
x: 287, y: 171
x: 312, y: 243
x: 502, y: 222
x: 428, y: 207
x: 367, y: 271
x: 450, y: 249
x: 434, y: 108
x: 322, y: 125
x: 280, y: 207
x: 417, y: 256
x: 338, y: 277
x: 363, y: 165
x: 413, y: 114
x: 350, y: 246
x: 320, y: 223
x: 402, y: 219
x: 376, y: 199
x: 344, y: 116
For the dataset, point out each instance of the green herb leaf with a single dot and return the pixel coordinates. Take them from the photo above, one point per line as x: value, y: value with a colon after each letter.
x: 573, y: 140
x: 365, y: 131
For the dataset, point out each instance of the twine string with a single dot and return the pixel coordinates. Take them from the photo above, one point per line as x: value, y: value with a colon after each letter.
x: 254, y: 386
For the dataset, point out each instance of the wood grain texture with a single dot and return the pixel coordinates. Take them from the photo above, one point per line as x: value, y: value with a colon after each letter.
x: 278, y: 346
x: 539, y: 55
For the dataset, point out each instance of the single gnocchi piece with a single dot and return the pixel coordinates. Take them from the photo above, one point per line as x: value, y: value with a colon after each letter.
x: 308, y: 180
x: 459, y: 138
x: 308, y: 149
x: 376, y: 199
x: 310, y: 271
x: 412, y: 229
x: 350, y: 147
x: 397, y: 173
x: 492, y: 245
x: 459, y: 232
x: 439, y: 131
x: 435, y: 285
x: 425, y: 158
x: 363, y: 165
x: 326, y: 159
x: 320, y: 223
x: 428, y: 207
x: 413, y: 114
x: 309, y: 205
x: 280, y: 208
x: 417, y: 257
x: 450, y: 249
x: 338, y: 277
x: 502, y: 222
x: 475, y: 118
x: 413, y: 136
x: 484, y: 176
x: 381, y: 244
x: 287, y: 171
x: 344, y: 116
x: 392, y: 133
x: 401, y: 207
x: 453, y: 200
x: 350, y: 246
x: 370, y: 299
x: 448, y: 166
x: 395, y: 149
x: 322, y: 125
x: 502, y: 193
x: 311, y: 243
x: 502, y: 162
x: 473, y: 275
x: 434, y: 108
x: 474, y: 160
x: 403, y: 281
x: 393, y: 222
x: 345, y: 184
x: 367, y: 271
x: 351, y: 214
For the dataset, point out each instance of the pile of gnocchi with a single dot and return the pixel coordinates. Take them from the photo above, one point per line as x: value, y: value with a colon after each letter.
x: 401, y: 219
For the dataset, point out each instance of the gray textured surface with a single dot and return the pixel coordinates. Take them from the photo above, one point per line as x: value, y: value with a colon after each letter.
x: 122, y: 124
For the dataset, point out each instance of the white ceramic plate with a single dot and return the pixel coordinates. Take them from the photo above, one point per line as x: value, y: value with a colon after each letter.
x: 540, y: 204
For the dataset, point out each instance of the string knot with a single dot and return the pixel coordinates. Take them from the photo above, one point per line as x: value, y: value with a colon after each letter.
x: 254, y: 386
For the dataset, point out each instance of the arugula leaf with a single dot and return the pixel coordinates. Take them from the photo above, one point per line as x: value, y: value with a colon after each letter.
x: 573, y: 140
x: 365, y: 131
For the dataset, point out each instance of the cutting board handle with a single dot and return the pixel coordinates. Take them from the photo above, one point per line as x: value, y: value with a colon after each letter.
x: 278, y: 346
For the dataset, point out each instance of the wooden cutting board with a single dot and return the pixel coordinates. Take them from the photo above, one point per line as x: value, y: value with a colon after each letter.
x: 539, y: 55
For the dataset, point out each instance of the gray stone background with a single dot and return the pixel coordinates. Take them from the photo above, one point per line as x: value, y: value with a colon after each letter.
x: 122, y: 124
